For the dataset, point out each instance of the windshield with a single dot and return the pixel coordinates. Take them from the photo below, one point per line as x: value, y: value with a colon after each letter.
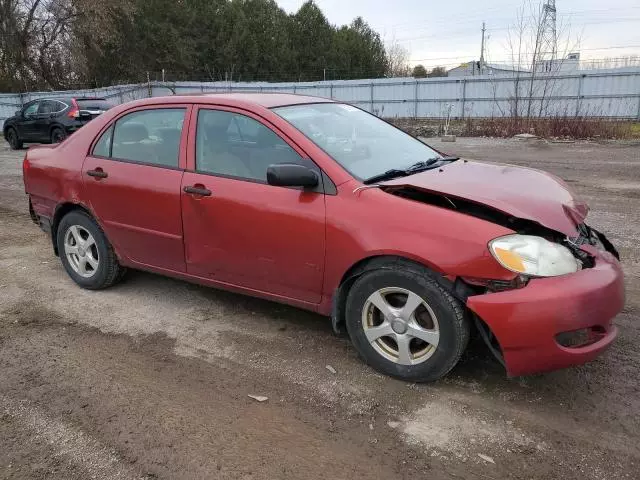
x: 362, y: 143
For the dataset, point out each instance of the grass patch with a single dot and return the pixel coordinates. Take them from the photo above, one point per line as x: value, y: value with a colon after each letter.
x: 553, y: 127
x: 563, y: 127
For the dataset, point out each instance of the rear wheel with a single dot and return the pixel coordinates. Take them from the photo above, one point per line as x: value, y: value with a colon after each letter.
x: 13, y: 139
x: 57, y: 135
x: 405, y: 324
x: 85, y: 252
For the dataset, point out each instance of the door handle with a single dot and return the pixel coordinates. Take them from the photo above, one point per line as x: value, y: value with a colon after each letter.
x: 195, y: 190
x: 98, y: 173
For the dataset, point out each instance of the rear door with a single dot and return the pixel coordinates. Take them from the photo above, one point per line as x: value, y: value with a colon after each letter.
x: 132, y: 179
x: 243, y: 231
x: 44, y: 120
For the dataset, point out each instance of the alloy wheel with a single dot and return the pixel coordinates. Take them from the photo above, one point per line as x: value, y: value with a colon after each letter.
x: 400, y: 325
x: 81, y: 251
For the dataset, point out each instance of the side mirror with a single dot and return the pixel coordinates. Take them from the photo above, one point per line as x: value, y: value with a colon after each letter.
x: 18, y: 113
x: 291, y: 175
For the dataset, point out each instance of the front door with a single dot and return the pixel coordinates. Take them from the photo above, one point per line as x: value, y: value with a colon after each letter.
x: 27, y: 124
x: 132, y: 179
x: 238, y: 229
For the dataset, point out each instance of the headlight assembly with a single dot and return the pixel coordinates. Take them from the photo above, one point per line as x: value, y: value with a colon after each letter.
x: 534, y: 256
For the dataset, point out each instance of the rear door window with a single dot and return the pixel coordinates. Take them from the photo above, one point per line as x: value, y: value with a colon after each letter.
x: 147, y: 136
x: 49, y: 106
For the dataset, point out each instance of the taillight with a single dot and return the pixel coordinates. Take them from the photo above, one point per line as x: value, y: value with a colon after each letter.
x: 75, y: 110
x: 25, y: 170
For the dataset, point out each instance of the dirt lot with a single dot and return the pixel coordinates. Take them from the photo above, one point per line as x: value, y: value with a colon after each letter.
x: 150, y: 379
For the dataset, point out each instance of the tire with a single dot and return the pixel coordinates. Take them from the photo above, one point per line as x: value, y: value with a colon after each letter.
x: 14, y: 140
x: 57, y: 135
x: 90, y: 261
x: 438, y: 318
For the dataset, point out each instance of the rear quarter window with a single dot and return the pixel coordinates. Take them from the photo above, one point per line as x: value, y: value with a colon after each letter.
x: 103, y: 146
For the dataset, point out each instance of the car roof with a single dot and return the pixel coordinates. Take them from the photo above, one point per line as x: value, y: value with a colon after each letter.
x: 267, y: 100
x: 244, y: 100
x: 66, y: 99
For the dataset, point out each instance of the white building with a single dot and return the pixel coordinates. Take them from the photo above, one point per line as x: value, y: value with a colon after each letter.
x: 561, y: 65
x: 472, y: 68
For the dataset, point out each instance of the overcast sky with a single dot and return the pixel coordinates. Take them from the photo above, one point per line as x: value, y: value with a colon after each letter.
x: 448, y: 33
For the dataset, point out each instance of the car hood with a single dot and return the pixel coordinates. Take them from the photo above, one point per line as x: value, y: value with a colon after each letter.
x: 517, y: 191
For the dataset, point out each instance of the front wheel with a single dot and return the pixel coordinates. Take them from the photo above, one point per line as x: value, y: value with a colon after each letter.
x: 404, y: 324
x: 85, y: 252
x: 14, y: 139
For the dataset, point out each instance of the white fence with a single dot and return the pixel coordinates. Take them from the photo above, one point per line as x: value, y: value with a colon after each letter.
x: 605, y: 93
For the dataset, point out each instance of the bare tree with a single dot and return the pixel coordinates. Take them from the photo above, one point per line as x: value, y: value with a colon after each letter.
x: 33, y: 34
x: 39, y: 41
x: 533, y: 71
x: 397, y: 60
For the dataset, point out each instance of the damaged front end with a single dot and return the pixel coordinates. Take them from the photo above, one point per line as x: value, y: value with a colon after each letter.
x: 585, y: 244
x: 584, y: 234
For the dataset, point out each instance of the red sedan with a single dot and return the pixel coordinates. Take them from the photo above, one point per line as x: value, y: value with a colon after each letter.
x: 321, y: 205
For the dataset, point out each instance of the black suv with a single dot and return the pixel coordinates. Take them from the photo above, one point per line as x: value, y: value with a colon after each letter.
x: 51, y: 120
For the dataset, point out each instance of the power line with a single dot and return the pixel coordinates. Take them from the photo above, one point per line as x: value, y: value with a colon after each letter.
x: 460, y: 33
x: 473, y: 17
x: 525, y: 53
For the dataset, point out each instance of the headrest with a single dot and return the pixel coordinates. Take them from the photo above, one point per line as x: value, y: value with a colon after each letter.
x: 131, y: 132
x: 169, y: 135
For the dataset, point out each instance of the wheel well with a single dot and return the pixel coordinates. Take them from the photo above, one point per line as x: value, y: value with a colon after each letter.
x: 60, y: 212
x: 363, y: 266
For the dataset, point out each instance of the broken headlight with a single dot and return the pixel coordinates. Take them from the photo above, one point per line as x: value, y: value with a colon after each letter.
x: 534, y: 256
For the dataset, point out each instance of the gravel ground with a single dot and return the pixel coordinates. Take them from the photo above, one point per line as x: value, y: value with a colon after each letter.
x: 151, y: 378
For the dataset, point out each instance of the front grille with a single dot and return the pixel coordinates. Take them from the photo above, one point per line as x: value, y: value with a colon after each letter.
x: 591, y: 236
x: 587, y: 236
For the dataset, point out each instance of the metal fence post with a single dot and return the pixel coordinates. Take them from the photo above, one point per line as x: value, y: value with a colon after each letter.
x: 331, y: 91
x: 638, y: 116
x: 415, y: 100
x: 371, y: 97
x: 464, y: 97
x: 579, y: 97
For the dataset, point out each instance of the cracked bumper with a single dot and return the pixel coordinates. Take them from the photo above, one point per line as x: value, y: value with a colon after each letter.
x: 526, y: 321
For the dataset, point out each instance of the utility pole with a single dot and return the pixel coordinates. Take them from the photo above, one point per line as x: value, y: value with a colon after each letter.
x: 548, y: 32
x: 484, y: 29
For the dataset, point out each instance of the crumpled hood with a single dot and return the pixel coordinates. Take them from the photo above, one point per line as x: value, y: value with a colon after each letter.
x: 518, y: 191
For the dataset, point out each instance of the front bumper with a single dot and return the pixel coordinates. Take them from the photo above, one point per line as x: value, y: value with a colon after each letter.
x: 526, y: 321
